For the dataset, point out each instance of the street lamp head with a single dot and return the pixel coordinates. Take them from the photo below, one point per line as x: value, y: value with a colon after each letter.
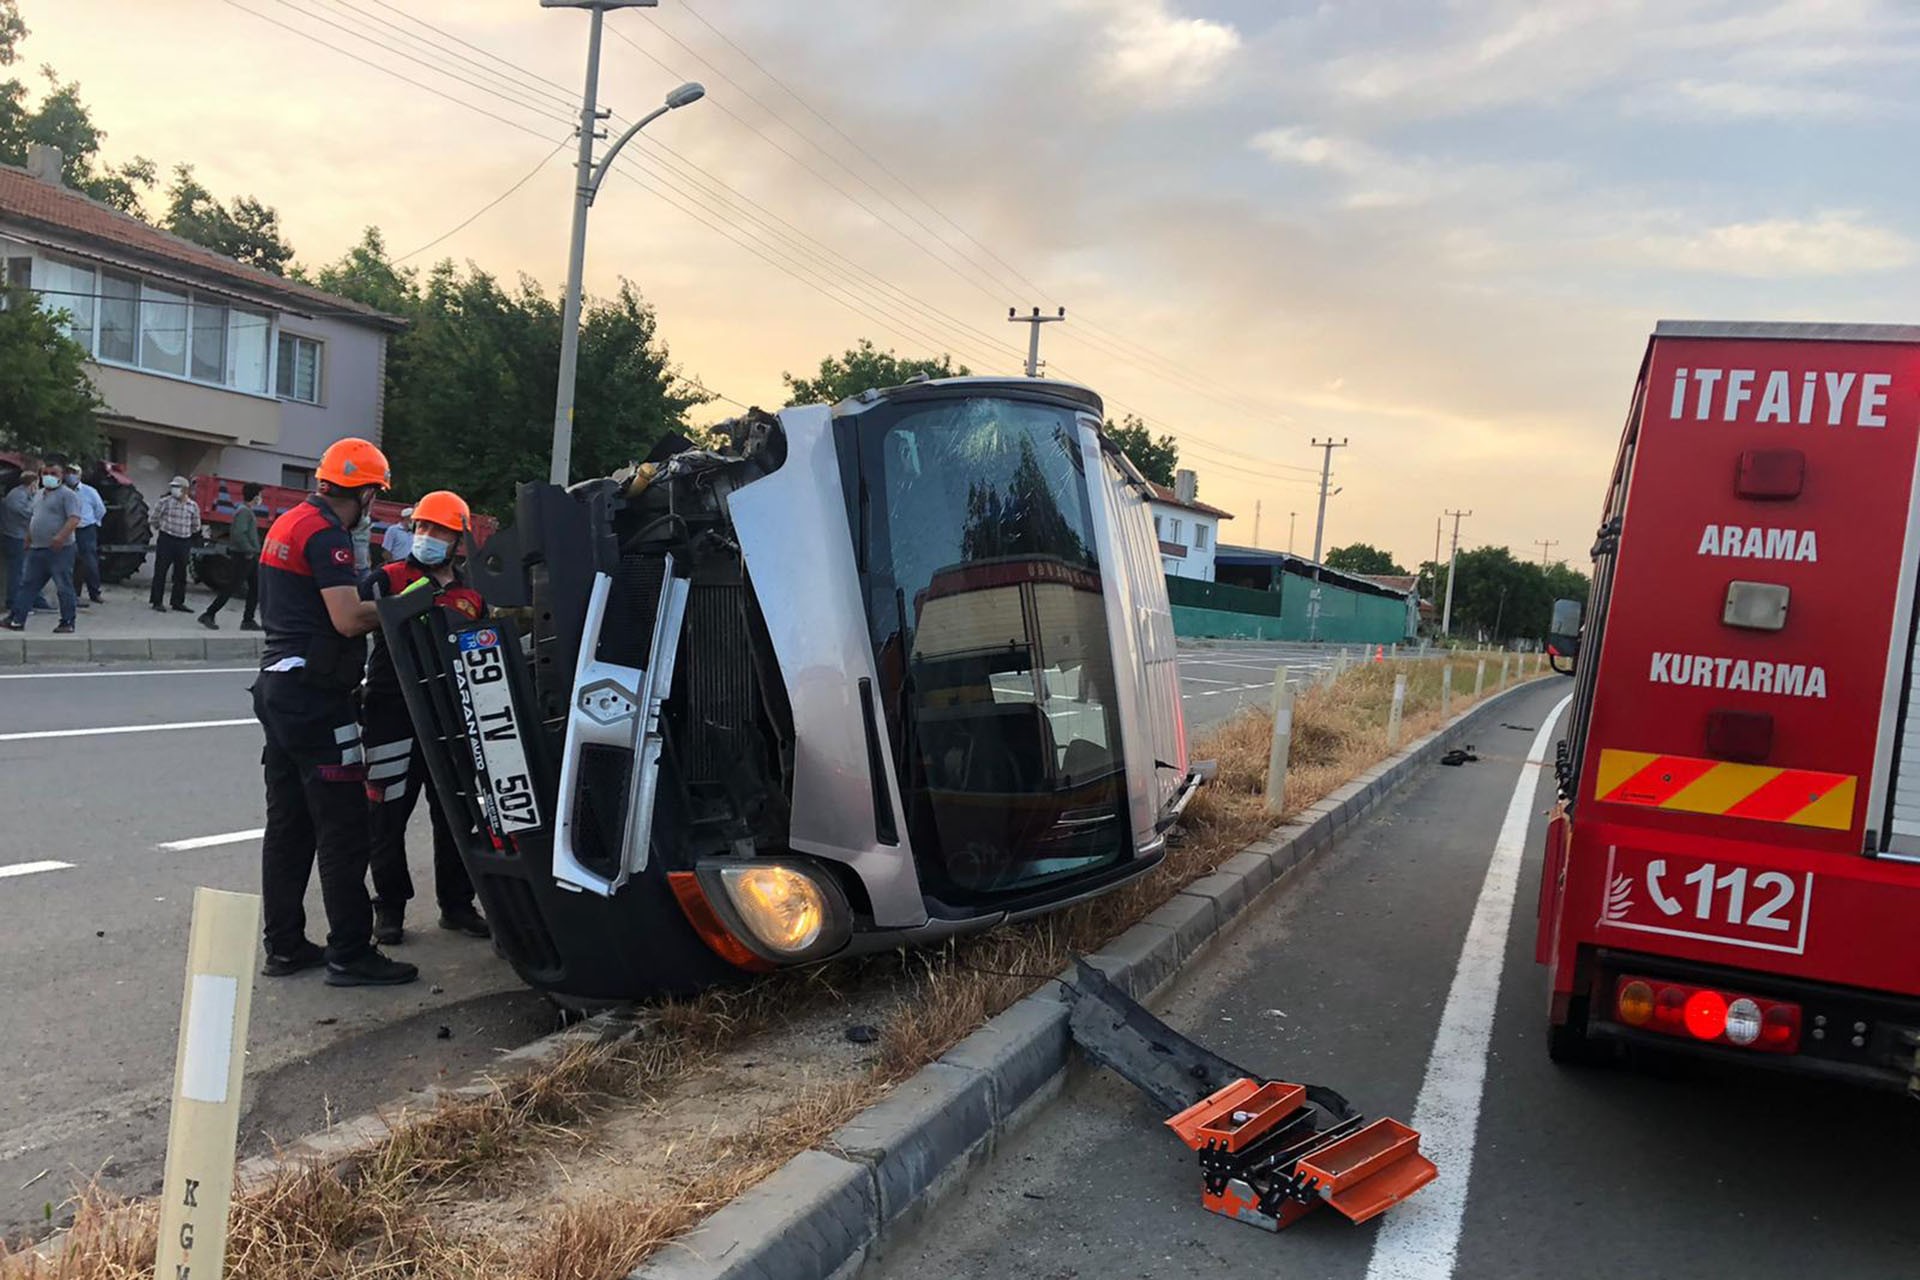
x: 686, y: 94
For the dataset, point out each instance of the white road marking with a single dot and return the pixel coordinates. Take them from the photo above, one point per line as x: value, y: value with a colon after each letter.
x: 1203, y: 680
x: 98, y: 675
x: 208, y: 842
x: 123, y: 728
x: 1421, y: 1239
x: 33, y: 868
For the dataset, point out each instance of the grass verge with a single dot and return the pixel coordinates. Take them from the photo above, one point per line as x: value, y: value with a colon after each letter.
x: 388, y: 1214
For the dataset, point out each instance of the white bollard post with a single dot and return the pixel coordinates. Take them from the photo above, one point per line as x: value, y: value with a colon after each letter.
x: 1446, y: 691
x: 202, y: 1130
x: 1505, y: 658
x: 1479, y: 678
x: 1276, y: 798
x: 1399, y: 704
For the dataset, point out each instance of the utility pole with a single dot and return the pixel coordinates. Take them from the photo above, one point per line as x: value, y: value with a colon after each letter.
x: 1256, y: 522
x: 1545, y: 545
x: 588, y: 178
x: 1446, y: 613
x: 1290, y: 516
x: 1327, y: 447
x: 1033, y: 323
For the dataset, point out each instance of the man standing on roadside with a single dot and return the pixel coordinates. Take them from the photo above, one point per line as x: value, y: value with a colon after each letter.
x: 177, y: 518
x: 16, y: 510
x: 50, y: 547
x: 243, y: 562
x: 93, y: 509
x: 315, y: 656
x: 398, y: 538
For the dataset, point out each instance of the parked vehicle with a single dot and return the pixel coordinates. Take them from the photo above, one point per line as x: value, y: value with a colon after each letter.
x: 869, y: 674
x: 1733, y: 867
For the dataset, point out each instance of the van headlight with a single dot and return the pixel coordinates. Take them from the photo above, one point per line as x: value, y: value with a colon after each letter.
x: 789, y: 913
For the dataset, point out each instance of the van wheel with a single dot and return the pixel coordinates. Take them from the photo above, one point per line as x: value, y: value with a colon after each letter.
x: 1568, y: 1043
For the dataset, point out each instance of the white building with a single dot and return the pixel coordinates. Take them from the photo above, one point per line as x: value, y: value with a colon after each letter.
x: 1188, y: 529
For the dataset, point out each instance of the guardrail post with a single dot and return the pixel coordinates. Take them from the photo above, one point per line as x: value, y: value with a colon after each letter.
x: 1276, y: 798
x: 1479, y: 678
x: 1446, y: 691
x: 1399, y: 704
x: 1505, y: 659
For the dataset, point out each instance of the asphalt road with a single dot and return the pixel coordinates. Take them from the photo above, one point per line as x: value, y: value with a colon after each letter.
x: 1664, y: 1169
x: 100, y: 770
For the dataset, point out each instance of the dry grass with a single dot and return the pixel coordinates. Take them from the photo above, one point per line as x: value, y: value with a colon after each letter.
x: 377, y: 1218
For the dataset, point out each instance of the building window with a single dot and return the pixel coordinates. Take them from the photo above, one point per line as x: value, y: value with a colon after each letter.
x: 1173, y: 530
x: 163, y: 331
x: 209, y: 363
x: 119, y: 317
x: 249, y: 343
x: 1199, y: 534
x: 67, y: 287
x: 299, y: 369
x: 296, y: 477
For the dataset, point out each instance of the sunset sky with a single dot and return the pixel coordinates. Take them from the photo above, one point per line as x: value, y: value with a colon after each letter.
x: 1440, y: 230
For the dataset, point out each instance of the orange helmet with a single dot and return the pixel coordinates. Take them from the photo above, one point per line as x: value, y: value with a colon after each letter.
x: 445, y: 508
x: 354, y: 463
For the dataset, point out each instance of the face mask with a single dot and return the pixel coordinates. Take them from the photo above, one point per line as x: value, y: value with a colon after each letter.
x: 49, y: 481
x: 366, y: 518
x: 177, y: 491
x: 430, y: 551
x: 73, y: 479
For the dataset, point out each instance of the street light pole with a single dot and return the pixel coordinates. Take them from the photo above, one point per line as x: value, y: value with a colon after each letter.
x: 1446, y: 612
x: 1326, y: 474
x: 587, y: 179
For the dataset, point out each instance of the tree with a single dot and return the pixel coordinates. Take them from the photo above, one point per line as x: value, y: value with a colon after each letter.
x: 1359, y: 557
x: 470, y: 382
x: 1499, y: 597
x: 861, y: 369
x: 1157, y: 458
x: 47, y: 401
x: 248, y: 231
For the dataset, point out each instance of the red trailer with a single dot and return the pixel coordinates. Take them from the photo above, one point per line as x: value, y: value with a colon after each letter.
x: 1733, y: 867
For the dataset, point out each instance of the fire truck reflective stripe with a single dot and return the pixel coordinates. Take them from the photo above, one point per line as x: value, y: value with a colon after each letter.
x: 1641, y: 777
x: 1801, y: 797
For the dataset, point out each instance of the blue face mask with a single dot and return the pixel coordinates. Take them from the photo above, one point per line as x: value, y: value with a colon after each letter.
x: 429, y: 551
x: 49, y: 481
x: 73, y: 479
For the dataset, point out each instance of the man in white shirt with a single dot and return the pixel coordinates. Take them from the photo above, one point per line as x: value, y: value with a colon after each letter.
x: 398, y: 541
x: 93, y: 509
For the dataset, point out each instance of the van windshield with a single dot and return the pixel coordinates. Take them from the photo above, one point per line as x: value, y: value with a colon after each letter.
x: 984, y: 603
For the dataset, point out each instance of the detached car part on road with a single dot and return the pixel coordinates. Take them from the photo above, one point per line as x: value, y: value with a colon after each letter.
x: 869, y: 674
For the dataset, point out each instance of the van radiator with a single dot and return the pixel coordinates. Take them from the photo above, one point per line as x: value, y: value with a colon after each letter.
x: 719, y: 688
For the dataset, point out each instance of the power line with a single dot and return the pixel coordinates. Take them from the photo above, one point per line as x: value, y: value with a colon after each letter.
x: 477, y: 214
x: 566, y: 92
x: 554, y: 97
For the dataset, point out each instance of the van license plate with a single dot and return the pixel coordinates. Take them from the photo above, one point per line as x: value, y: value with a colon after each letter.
x: 486, y: 698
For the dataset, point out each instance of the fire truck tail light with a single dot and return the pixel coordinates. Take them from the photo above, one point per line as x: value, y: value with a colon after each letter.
x: 1770, y: 474
x: 1756, y: 606
x: 1707, y: 1015
x: 1635, y: 1003
x: 1743, y: 736
x: 1743, y: 1021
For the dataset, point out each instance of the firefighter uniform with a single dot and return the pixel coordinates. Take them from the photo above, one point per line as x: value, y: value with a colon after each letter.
x: 397, y: 771
x: 312, y: 759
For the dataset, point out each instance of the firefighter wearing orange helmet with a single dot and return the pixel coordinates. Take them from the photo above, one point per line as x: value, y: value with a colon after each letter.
x: 316, y: 625
x: 396, y: 770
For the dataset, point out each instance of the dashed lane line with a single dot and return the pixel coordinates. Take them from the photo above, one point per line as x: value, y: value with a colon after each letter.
x: 32, y: 868
x: 108, y: 730
x: 208, y: 842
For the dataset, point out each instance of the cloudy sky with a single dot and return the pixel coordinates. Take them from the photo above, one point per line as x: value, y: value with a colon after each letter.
x: 1440, y: 230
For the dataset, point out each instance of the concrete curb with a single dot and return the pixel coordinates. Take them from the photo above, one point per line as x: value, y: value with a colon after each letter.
x: 20, y: 650
x: 824, y: 1211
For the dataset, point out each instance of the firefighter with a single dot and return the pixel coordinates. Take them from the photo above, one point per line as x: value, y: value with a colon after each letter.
x: 315, y: 654
x: 396, y: 769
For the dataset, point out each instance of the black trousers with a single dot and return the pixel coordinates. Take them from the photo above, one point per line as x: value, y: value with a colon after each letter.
x: 316, y: 810
x: 170, y: 554
x: 396, y: 775
x: 247, y: 569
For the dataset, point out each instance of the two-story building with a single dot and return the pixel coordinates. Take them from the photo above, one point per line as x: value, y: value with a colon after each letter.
x: 206, y: 366
x: 1188, y: 528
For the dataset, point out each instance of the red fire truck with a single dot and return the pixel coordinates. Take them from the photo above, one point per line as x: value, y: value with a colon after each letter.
x: 1733, y: 866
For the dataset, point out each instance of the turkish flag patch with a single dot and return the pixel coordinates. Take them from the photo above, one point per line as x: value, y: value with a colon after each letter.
x: 342, y: 556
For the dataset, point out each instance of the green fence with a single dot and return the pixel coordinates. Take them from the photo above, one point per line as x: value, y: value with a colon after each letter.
x: 1216, y: 611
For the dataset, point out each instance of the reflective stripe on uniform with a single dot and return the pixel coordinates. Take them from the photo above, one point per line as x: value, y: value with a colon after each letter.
x: 388, y: 750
